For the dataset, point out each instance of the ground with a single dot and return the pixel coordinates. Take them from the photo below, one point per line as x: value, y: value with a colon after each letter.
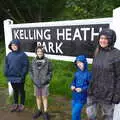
x: 59, y: 109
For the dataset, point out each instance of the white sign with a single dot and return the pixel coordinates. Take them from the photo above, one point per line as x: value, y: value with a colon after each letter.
x: 62, y: 40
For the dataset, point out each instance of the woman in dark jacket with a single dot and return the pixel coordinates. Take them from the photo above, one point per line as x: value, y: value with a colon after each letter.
x: 105, y: 85
x: 16, y: 68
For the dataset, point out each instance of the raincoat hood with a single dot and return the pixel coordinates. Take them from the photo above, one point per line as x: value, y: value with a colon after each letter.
x: 16, y: 42
x: 110, y: 34
x: 82, y: 59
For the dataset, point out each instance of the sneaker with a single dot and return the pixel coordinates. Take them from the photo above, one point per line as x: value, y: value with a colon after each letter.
x: 20, y: 108
x: 37, y: 114
x: 14, y: 108
x: 46, y: 116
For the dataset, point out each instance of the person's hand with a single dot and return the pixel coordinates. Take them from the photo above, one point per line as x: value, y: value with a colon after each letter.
x: 78, y: 89
x: 72, y: 88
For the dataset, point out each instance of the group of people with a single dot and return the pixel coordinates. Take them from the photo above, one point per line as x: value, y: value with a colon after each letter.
x: 98, y: 89
x: 101, y: 88
x: 16, y: 68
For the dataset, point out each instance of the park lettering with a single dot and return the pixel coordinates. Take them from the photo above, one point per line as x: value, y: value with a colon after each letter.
x: 61, y: 34
x: 53, y: 38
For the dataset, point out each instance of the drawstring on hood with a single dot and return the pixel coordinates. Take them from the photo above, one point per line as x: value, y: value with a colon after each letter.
x: 16, y: 42
x: 82, y: 59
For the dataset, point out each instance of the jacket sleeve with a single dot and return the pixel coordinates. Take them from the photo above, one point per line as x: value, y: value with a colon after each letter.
x: 85, y: 87
x: 31, y: 70
x: 116, y: 96
x: 6, y: 67
x: 49, y: 74
x: 73, y: 81
x: 25, y: 66
x: 89, y: 77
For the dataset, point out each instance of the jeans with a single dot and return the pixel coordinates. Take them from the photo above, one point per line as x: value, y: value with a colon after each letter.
x: 76, y: 110
x: 101, y: 111
x: 91, y: 109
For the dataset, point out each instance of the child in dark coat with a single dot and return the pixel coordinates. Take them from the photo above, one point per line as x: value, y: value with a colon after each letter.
x: 79, y: 87
x: 16, y: 68
x: 41, y: 72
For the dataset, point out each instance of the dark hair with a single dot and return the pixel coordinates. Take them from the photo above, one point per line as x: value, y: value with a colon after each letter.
x: 111, y: 36
x: 39, y: 47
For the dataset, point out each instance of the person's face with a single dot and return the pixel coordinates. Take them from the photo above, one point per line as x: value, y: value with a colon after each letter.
x: 80, y: 65
x: 39, y: 53
x: 14, y: 47
x: 103, y: 41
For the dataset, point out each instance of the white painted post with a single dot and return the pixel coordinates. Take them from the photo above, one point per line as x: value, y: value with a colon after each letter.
x: 7, y: 33
x: 115, y: 25
x: 8, y: 38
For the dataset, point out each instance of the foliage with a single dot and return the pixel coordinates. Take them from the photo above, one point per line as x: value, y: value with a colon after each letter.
x: 24, y: 11
x: 84, y: 9
x: 48, y: 10
x: 30, y: 10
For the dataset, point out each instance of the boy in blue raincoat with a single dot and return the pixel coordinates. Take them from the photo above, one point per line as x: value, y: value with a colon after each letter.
x: 79, y: 86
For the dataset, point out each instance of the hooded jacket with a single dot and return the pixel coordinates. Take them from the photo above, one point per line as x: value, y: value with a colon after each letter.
x: 105, y: 84
x: 16, y: 64
x: 41, y: 71
x: 81, y: 80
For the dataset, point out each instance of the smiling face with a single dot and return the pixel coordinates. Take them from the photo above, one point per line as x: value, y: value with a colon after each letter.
x: 103, y: 41
x: 39, y: 53
x: 80, y: 65
x: 14, y: 47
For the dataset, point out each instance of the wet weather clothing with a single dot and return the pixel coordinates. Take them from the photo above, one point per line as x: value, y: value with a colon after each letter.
x: 81, y: 80
x: 16, y: 64
x: 41, y: 71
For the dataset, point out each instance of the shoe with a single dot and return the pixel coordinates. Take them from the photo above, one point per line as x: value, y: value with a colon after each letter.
x: 20, y: 108
x: 37, y: 114
x: 46, y: 116
x: 14, y: 108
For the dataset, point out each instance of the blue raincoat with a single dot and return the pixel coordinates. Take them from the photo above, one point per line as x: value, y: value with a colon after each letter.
x: 81, y: 80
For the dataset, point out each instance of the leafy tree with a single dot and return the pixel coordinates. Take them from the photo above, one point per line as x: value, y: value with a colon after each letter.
x: 31, y: 10
x: 47, y: 10
x: 21, y: 11
x: 82, y: 9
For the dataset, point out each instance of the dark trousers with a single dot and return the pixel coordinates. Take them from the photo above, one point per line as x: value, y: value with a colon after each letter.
x: 18, y: 89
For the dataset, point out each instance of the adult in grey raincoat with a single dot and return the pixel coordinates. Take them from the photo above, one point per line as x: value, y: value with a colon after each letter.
x: 105, y: 85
